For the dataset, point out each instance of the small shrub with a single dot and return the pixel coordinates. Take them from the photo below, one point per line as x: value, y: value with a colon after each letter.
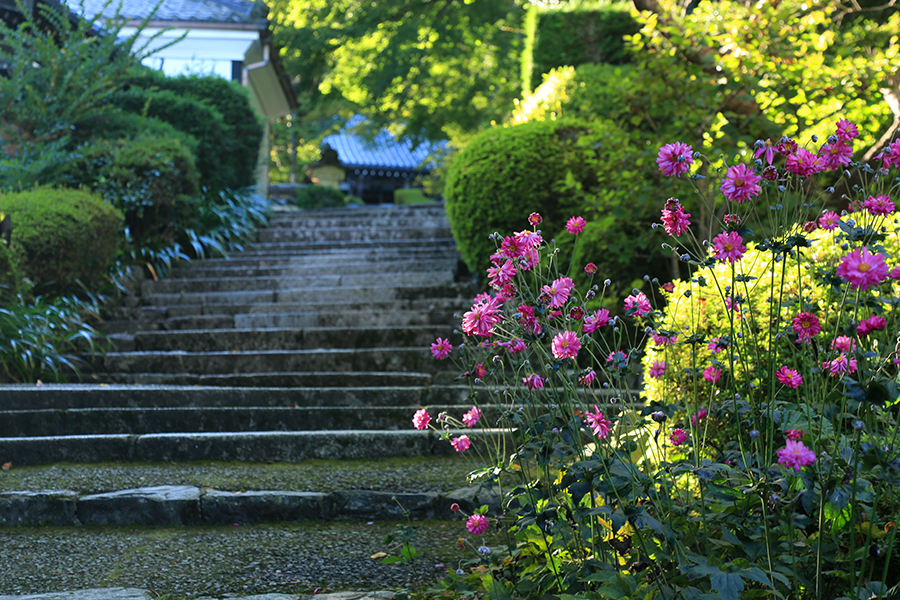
x: 411, y: 196
x: 114, y: 124
x: 319, y: 196
x: 10, y: 275
x: 62, y: 236
x: 545, y: 167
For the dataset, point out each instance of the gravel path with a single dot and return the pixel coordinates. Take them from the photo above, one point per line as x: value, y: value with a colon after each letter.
x: 190, y: 562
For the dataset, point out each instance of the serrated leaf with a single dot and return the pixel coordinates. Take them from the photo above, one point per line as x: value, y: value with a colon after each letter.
x: 729, y: 585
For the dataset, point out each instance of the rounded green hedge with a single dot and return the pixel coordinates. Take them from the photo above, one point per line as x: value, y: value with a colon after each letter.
x: 319, y: 196
x: 62, y: 235
x: 505, y: 174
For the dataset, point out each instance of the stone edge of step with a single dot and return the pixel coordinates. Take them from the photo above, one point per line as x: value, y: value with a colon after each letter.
x: 168, y: 506
x: 119, y: 593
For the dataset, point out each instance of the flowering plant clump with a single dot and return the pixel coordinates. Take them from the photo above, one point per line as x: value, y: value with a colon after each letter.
x: 730, y: 434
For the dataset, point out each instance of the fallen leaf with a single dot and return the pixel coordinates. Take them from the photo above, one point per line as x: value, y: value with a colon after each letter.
x: 7, y: 466
x: 378, y: 555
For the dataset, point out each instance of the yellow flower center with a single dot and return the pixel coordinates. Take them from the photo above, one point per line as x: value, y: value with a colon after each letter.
x: 863, y: 267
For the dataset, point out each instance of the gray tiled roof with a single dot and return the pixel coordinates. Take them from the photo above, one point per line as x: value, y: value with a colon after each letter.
x: 384, y: 151
x: 209, y: 11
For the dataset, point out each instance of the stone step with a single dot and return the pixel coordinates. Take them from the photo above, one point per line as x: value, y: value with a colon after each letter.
x: 228, y: 340
x: 307, y: 295
x: 145, y: 420
x: 323, y: 257
x: 339, y: 266
x: 392, y: 247
x: 84, y: 396
x: 366, y: 211
x: 373, y: 221
x: 380, y: 359
x: 364, y: 232
x: 243, y: 284
x: 290, y: 379
x: 280, y: 446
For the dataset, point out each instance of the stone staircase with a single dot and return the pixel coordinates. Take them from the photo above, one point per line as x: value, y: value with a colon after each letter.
x: 312, y: 343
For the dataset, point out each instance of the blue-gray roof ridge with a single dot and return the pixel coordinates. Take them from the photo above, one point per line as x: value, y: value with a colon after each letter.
x: 207, y: 11
x: 384, y: 151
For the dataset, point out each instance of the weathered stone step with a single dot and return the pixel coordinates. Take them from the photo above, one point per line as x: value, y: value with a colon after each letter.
x: 283, y: 339
x: 195, y: 419
x: 297, y: 379
x: 396, y: 246
x: 177, y: 506
x: 315, y: 257
x: 339, y: 266
x: 307, y: 295
x: 364, y: 232
x: 400, y: 360
x: 243, y: 284
x: 82, y: 396
x: 282, y: 446
x: 367, y: 212
x: 374, y: 221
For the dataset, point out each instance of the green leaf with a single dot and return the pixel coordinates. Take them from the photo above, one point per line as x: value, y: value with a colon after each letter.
x: 729, y: 585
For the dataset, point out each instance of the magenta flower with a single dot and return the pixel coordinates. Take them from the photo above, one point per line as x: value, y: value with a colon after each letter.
x: 476, y: 524
x: 879, y: 205
x: 515, y: 346
x: 789, y: 377
x: 740, y: 183
x: 891, y: 155
x: 461, y: 443
x: 421, y: 419
x: 712, y: 374
x: 794, y: 434
x: 678, y: 437
x: 576, y: 313
x: 873, y: 323
x: 662, y: 340
x: 716, y: 345
x: 441, y: 348
x: 471, y: 418
x: 529, y: 239
x: 795, y: 455
x: 498, y: 276
x: 699, y: 416
x: 767, y: 151
x: 668, y: 287
x: 533, y: 381
x: 729, y: 246
x: 829, y: 220
x: 802, y: 162
x: 843, y: 344
x: 862, y: 269
x: 806, y: 326
x: 590, y: 268
x: 675, y: 159
x: 558, y: 291
x: 840, y: 365
x: 528, y: 319
x: 657, y: 369
x: 593, y: 322
x: 480, y: 320
x: 834, y: 156
x: 637, y: 305
x: 587, y: 378
x: 846, y: 130
x: 598, y: 422
x: 565, y: 345
x: 535, y: 219
x: 480, y: 371
x: 674, y: 219
x: 618, y: 359
x: 575, y: 225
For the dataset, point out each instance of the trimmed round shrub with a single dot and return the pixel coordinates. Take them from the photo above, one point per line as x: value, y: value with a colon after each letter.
x: 319, y: 196
x: 505, y: 174
x: 62, y: 235
x: 117, y: 124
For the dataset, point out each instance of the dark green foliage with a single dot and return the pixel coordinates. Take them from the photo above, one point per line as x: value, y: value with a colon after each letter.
x: 10, y: 277
x: 558, y: 38
x: 237, y: 151
x: 116, y: 125
x: 62, y: 236
x: 505, y: 174
x: 319, y: 196
x: 40, y: 339
x: 190, y: 116
x: 143, y: 177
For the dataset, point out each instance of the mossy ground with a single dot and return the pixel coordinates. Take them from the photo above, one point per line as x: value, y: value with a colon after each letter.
x: 196, y: 561
x: 426, y: 474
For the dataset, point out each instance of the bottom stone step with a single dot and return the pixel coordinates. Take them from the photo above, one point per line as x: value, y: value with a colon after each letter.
x: 291, y: 379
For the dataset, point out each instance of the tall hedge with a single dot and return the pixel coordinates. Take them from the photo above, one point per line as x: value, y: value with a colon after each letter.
x: 558, y: 38
x: 237, y: 150
x: 62, y: 235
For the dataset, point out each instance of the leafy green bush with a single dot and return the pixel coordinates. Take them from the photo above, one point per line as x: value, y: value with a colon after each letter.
x: 411, y: 196
x: 10, y: 276
x: 319, y: 196
x: 544, y: 167
x: 238, y: 149
x: 115, y: 124
x: 557, y: 38
x: 63, y: 235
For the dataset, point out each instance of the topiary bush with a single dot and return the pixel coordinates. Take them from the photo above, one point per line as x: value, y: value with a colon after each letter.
x: 61, y: 236
x: 319, y: 196
x: 239, y: 147
x: 545, y: 167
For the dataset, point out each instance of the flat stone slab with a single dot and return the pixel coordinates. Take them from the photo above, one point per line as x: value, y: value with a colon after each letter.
x: 93, y: 594
x: 167, y: 506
